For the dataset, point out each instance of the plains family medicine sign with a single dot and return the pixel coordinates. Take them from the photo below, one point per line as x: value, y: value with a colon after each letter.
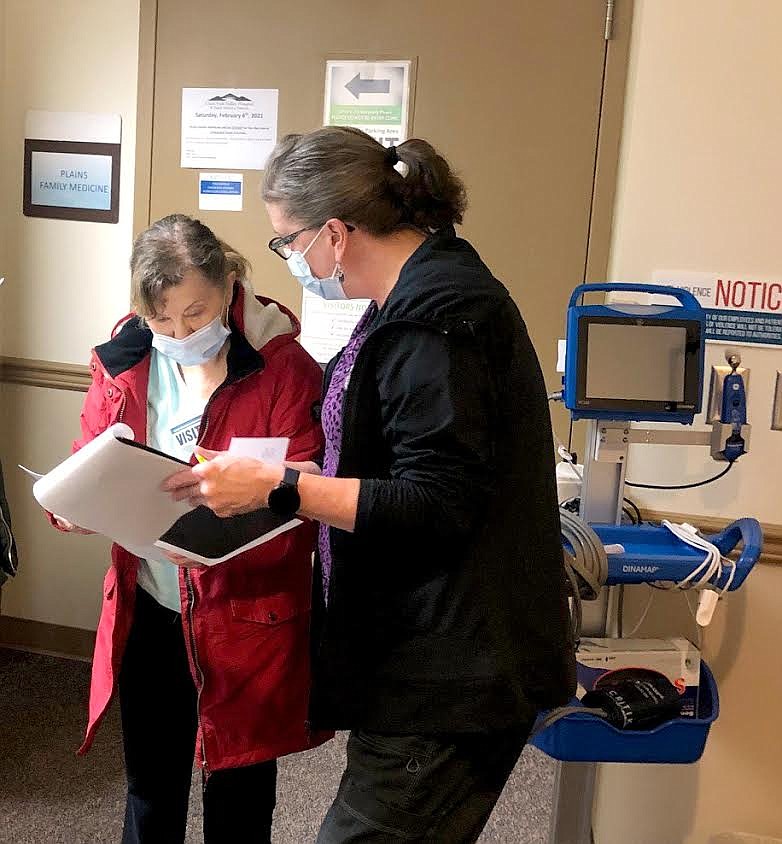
x: 72, y: 166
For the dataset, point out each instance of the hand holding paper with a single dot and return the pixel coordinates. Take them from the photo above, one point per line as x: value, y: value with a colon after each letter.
x: 94, y: 486
x: 69, y: 527
x: 226, y: 483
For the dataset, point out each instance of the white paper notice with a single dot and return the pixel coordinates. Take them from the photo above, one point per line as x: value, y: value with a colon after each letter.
x: 327, y: 325
x: 220, y: 191
x: 268, y: 449
x: 228, y: 128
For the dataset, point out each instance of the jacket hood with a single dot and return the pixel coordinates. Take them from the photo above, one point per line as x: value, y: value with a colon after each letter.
x: 444, y: 282
x: 259, y: 324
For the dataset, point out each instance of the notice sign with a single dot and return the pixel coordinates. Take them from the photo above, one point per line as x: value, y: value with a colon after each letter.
x: 220, y: 191
x: 372, y: 96
x: 742, y: 311
x: 72, y: 166
x: 328, y: 324
x: 228, y: 128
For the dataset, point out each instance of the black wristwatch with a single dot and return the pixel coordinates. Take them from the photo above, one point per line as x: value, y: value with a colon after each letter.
x: 284, y: 499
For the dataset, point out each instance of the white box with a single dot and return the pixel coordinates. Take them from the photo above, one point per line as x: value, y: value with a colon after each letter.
x: 675, y: 658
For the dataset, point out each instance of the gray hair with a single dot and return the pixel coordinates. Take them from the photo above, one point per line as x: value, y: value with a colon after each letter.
x: 341, y: 172
x: 168, y: 249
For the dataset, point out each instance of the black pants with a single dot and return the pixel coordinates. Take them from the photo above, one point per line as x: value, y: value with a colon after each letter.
x: 159, y: 723
x: 418, y: 788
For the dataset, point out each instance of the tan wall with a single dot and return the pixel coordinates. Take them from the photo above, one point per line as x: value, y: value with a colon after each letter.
x: 3, y: 192
x: 700, y: 177
x: 66, y: 282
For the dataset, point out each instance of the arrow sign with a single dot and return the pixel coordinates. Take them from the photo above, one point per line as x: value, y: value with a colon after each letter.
x: 358, y: 86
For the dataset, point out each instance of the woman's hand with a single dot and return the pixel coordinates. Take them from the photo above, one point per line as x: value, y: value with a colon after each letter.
x: 69, y: 527
x: 225, y: 483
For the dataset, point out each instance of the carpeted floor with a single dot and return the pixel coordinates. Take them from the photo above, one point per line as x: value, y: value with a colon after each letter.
x: 49, y: 796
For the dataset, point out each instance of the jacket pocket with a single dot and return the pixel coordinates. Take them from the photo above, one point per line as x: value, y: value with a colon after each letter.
x: 269, y: 610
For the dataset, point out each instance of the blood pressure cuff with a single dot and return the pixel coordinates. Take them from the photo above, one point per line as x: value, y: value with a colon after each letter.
x: 637, y: 699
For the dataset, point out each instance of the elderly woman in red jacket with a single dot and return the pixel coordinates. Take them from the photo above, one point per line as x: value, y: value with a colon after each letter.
x: 208, y: 661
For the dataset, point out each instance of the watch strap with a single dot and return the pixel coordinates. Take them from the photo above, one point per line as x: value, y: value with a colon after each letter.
x: 290, y: 477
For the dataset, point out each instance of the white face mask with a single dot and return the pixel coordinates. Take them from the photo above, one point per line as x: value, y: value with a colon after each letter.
x: 197, y: 348
x: 326, y: 288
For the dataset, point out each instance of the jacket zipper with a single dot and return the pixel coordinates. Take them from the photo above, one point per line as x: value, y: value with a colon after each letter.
x: 197, y: 664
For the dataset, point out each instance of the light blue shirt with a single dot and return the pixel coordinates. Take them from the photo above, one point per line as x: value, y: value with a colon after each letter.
x: 173, y: 419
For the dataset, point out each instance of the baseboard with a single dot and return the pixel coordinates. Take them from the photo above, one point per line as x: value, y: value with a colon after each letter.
x: 40, y: 637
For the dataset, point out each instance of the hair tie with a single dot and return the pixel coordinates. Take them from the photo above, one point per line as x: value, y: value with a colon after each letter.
x: 392, y: 158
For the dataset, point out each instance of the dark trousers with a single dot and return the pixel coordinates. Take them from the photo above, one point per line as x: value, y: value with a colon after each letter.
x: 434, y: 789
x: 159, y: 724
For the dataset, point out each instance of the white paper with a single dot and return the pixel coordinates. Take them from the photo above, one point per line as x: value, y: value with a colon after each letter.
x: 561, y: 355
x: 220, y: 191
x: 267, y: 449
x: 228, y: 128
x: 34, y: 475
x: 326, y: 326
x: 95, y: 488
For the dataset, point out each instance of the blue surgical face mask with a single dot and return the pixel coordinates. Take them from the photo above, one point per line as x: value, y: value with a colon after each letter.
x: 197, y: 348
x: 326, y: 288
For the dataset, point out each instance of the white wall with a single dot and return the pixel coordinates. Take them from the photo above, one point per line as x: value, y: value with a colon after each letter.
x: 699, y: 187
x: 699, y: 183
x: 66, y: 282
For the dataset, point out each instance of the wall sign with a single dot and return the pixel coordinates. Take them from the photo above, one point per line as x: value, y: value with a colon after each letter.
x: 72, y: 166
x: 739, y: 309
x: 228, y: 128
x: 371, y: 96
x: 220, y: 191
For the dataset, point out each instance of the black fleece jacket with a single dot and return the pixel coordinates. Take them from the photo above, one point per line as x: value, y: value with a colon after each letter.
x: 8, y: 556
x: 447, y: 609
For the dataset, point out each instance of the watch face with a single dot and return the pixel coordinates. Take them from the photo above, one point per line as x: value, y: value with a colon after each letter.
x: 284, y: 500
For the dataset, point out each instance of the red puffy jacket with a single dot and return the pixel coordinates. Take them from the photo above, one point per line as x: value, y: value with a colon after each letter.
x: 246, y: 621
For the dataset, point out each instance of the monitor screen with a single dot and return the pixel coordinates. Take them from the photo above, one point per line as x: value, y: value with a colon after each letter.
x: 633, y: 362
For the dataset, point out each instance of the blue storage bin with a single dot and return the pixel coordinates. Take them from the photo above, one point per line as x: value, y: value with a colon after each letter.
x: 587, y: 738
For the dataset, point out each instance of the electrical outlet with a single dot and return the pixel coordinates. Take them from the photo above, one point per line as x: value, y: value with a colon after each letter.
x: 718, y: 375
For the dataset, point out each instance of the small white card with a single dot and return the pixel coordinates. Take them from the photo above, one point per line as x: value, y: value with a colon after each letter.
x: 267, y: 449
x: 220, y: 191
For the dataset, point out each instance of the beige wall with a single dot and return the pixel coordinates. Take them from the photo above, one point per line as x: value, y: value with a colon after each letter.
x: 66, y: 282
x: 3, y: 193
x: 700, y: 177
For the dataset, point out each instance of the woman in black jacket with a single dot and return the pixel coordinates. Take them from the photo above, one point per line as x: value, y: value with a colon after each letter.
x: 8, y: 558
x: 440, y: 618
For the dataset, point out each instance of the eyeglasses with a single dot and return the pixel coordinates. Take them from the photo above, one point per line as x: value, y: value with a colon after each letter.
x: 281, y: 245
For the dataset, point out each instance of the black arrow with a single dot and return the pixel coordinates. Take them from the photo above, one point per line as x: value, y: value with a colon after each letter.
x: 358, y: 86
